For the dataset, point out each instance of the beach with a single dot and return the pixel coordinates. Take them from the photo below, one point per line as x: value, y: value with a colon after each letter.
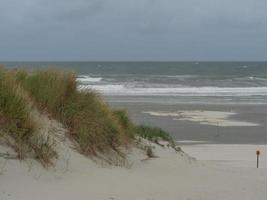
x: 170, y: 176
x: 205, y: 169
x: 218, y: 121
x: 133, y: 100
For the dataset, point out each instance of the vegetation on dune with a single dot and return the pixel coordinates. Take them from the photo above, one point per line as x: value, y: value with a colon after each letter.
x: 49, y: 89
x: 91, y: 122
x: 121, y: 115
x: 154, y: 134
x: 18, y: 128
x: 96, y: 128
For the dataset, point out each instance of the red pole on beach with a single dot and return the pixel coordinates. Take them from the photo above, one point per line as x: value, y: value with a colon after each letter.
x: 258, y: 156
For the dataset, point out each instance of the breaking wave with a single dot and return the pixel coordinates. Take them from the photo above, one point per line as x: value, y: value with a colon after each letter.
x: 120, y: 89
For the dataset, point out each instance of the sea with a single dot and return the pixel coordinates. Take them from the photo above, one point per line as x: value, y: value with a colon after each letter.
x: 168, y: 82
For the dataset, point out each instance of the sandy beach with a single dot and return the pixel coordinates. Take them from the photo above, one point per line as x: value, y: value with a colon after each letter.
x: 169, y: 176
x: 243, y: 156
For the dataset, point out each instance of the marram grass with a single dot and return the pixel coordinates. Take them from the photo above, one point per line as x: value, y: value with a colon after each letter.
x: 153, y: 134
x: 18, y: 127
x: 92, y: 124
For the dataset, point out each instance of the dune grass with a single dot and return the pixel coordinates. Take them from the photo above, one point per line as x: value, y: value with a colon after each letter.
x: 96, y: 128
x: 121, y: 115
x: 154, y: 134
x: 92, y: 124
x: 48, y: 89
x: 19, y: 129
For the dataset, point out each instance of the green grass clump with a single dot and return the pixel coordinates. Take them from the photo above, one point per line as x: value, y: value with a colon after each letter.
x: 92, y: 124
x: 95, y: 127
x: 16, y: 123
x: 50, y: 89
x: 122, y: 117
x: 14, y: 112
x: 153, y: 134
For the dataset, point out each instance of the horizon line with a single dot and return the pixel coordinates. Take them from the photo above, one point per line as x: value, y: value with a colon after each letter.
x: 196, y: 61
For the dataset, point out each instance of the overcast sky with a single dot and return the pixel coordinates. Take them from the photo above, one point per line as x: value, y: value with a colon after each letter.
x: 133, y: 30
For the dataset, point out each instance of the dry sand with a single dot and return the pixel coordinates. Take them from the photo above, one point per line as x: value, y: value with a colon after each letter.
x: 171, y: 176
x: 241, y: 155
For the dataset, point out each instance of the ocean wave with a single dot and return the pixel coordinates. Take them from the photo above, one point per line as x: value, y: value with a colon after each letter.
x: 86, y: 79
x: 104, y: 88
x: 184, y: 76
x: 121, y: 89
x: 250, y: 78
x: 257, y: 78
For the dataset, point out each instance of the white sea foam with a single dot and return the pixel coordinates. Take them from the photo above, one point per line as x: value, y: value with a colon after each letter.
x: 105, y: 89
x: 88, y: 79
x: 257, y: 78
x: 120, y: 89
x: 249, y: 78
x: 178, y: 76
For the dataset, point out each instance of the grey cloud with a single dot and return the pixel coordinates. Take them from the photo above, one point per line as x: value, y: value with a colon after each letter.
x: 67, y: 9
x: 133, y: 29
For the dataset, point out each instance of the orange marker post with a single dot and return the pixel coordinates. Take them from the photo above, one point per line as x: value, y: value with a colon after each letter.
x: 258, y: 156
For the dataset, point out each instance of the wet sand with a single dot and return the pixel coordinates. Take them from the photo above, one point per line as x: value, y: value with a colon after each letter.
x: 195, y: 131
